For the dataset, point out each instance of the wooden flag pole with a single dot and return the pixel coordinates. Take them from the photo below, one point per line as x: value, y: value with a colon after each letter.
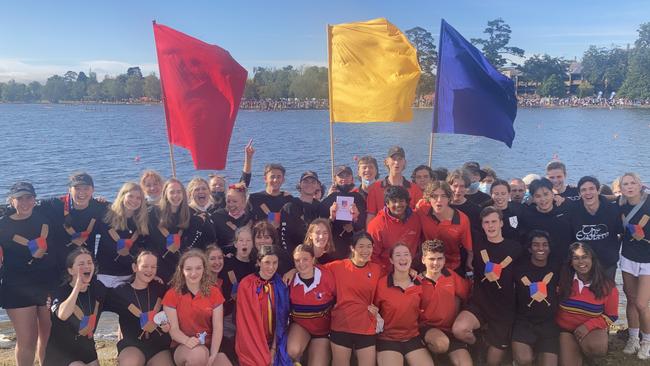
x: 329, y: 79
x: 164, y: 100
x: 430, y: 149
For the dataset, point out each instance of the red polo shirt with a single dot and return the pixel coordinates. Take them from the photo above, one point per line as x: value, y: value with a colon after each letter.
x: 311, y: 305
x: 454, y: 233
x: 441, y: 299
x: 375, y: 200
x: 387, y: 230
x: 194, y: 312
x: 400, y: 309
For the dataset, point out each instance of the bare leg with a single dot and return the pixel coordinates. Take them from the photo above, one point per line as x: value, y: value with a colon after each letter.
x: 389, y: 358
x: 522, y: 353
x: 630, y: 285
x: 367, y: 356
x: 419, y: 357
x: 184, y: 356
x: 130, y: 356
x: 319, y: 352
x: 162, y: 358
x: 297, y: 341
x: 642, y: 300
x: 464, y: 327
x: 25, y: 322
x: 570, y: 353
x: 340, y: 355
x: 44, y: 327
x: 460, y: 357
x: 436, y: 340
x: 495, y: 356
x: 547, y: 359
x: 594, y: 344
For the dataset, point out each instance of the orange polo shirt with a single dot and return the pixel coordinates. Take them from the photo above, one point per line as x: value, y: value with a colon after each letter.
x: 375, y: 200
x: 454, y: 233
x: 400, y: 309
x: 194, y: 312
x: 441, y: 299
x: 387, y: 230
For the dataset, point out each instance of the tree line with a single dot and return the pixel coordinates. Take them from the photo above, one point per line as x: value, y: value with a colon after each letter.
x: 625, y: 71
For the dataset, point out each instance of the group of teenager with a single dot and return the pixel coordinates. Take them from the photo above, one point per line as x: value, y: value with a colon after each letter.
x: 460, y: 265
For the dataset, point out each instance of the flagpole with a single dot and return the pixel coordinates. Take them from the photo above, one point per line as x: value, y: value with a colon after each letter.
x: 329, y: 80
x: 430, y: 149
x: 164, y: 100
x: 435, y: 96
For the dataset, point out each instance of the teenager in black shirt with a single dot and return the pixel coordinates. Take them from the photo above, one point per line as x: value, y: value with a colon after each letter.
x: 556, y: 173
x: 266, y: 205
x: 299, y: 212
x: 512, y: 211
x: 233, y: 216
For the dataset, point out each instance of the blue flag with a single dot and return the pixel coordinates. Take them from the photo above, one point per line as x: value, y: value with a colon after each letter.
x: 472, y: 97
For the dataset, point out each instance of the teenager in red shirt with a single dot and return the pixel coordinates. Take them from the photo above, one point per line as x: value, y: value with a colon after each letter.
x: 312, y: 294
x: 395, y: 223
x: 443, y: 291
x: 440, y: 221
x: 398, y: 298
x: 588, y: 306
x: 195, y: 312
x: 354, y: 322
x: 396, y: 163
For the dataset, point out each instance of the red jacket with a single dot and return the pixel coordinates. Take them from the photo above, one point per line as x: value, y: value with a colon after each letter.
x: 387, y: 231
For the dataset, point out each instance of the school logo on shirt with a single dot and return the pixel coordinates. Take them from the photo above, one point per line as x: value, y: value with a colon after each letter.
x: 172, y: 241
x: 123, y: 245
x: 636, y: 230
x: 38, y: 246
x: 513, y: 221
x: 369, y: 274
x: 88, y: 322
x: 538, y: 290
x: 147, y: 323
x: 593, y: 232
x: 493, y: 270
x: 319, y: 295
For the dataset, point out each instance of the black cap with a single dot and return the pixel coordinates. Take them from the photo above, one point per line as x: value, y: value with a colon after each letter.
x: 22, y: 189
x: 474, y: 168
x: 342, y: 169
x: 309, y: 174
x: 80, y: 179
x: 396, y: 150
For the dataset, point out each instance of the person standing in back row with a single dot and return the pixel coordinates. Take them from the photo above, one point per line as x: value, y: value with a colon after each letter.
x: 266, y: 205
x: 396, y: 163
x: 556, y: 173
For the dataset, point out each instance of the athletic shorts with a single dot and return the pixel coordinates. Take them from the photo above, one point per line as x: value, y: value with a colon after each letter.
x: 353, y: 341
x: 542, y: 337
x: 148, y: 350
x: 498, y: 332
x: 111, y: 281
x: 636, y: 269
x: 403, y: 347
x: 454, y: 343
x: 21, y: 296
x: 57, y: 355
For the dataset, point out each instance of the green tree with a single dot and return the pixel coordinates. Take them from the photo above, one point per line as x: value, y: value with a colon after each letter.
x: 423, y: 42
x: 14, y: 92
x: 135, y: 86
x: 250, y: 92
x: 637, y: 82
x: 310, y: 83
x: 553, y: 86
x: 496, y: 44
x: 34, y: 91
x: 644, y: 36
x: 585, y: 90
x: 605, y: 68
x: 539, y: 68
x: 151, y: 87
x: 134, y: 71
x: 55, y: 89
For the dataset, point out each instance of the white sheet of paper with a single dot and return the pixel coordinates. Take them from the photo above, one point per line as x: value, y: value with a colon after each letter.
x: 343, y: 204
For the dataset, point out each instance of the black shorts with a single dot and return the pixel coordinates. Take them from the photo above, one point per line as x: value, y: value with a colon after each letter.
x: 542, y: 337
x: 498, y: 331
x: 57, y: 355
x: 454, y: 343
x: 21, y: 296
x: 403, y: 347
x: 148, y: 350
x: 353, y: 341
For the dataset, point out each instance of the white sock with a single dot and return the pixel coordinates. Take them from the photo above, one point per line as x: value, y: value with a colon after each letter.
x: 646, y: 336
x: 633, y: 332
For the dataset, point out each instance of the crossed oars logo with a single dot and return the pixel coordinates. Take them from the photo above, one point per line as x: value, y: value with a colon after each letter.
x: 146, y: 318
x: 123, y: 245
x: 86, y: 322
x: 538, y: 290
x: 79, y: 238
x: 493, y: 270
x: 173, y: 241
x: 37, y: 246
x: 637, y: 230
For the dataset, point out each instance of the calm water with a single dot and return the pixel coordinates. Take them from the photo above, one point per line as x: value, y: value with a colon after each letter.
x: 114, y: 143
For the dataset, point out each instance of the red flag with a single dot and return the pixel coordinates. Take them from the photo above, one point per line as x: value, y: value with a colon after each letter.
x: 202, y: 86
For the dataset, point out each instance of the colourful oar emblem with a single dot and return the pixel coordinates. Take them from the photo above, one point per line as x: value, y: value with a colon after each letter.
x: 87, y: 323
x: 538, y: 290
x: 123, y: 245
x: 493, y: 270
x: 79, y: 238
x: 147, y: 323
x: 172, y: 241
x: 38, y: 246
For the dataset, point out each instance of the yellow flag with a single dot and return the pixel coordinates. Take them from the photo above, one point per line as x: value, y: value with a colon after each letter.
x: 373, y: 72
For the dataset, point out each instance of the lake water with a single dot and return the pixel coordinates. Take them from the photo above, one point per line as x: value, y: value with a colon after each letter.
x: 114, y: 143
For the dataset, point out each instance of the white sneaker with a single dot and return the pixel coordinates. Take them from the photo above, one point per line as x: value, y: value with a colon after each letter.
x: 632, y: 346
x: 644, y: 350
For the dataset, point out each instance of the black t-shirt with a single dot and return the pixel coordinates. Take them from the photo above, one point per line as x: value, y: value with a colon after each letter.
x: 493, y: 289
x: 536, y: 289
x: 635, y: 239
x: 117, y: 247
x: 556, y: 223
x: 600, y: 230
x: 295, y: 217
x: 571, y: 193
x: 512, y: 226
x: 232, y: 273
x: 263, y: 206
x: 75, y: 335
x: 479, y: 198
x: 473, y: 213
x: 136, y: 309
x: 225, y: 226
x: 29, y: 252
x: 73, y: 227
x: 342, y: 231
